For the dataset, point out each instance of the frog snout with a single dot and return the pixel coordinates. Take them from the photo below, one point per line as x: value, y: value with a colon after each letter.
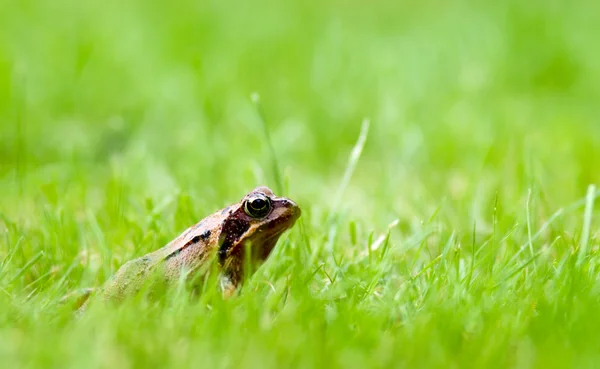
x: 292, y: 206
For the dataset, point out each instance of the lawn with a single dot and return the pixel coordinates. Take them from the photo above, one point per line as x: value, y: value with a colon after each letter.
x: 444, y: 155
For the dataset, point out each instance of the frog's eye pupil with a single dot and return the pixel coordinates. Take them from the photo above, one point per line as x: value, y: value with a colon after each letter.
x: 257, y: 206
x: 258, y: 203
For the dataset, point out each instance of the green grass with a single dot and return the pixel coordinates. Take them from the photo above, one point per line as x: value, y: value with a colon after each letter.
x: 122, y: 124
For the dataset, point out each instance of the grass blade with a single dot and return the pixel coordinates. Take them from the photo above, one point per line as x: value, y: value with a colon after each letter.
x: 255, y: 98
x: 26, y: 267
x: 529, y: 237
x: 587, y: 224
x: 351, y: 166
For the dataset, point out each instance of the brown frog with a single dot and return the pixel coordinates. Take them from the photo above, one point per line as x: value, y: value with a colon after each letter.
x: 257, y: 221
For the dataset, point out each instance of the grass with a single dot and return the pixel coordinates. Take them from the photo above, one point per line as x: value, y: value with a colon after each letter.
x: 458, y: 230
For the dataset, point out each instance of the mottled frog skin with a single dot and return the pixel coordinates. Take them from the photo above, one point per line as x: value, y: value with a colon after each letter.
x: 257, y: 221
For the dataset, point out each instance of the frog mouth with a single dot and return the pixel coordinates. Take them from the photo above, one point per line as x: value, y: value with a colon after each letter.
x: 283, y: 223
x: 264, y: 240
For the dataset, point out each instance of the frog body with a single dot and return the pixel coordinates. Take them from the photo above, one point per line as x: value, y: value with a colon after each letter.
x: 257, y: 221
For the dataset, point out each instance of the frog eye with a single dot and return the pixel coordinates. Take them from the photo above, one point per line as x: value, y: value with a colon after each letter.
x: 257, y: 206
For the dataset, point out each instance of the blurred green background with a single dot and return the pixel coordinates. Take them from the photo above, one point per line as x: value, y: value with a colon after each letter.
x: 124, y: 123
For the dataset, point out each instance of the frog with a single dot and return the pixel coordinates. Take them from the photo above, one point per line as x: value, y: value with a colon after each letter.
x: 252, y: 225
